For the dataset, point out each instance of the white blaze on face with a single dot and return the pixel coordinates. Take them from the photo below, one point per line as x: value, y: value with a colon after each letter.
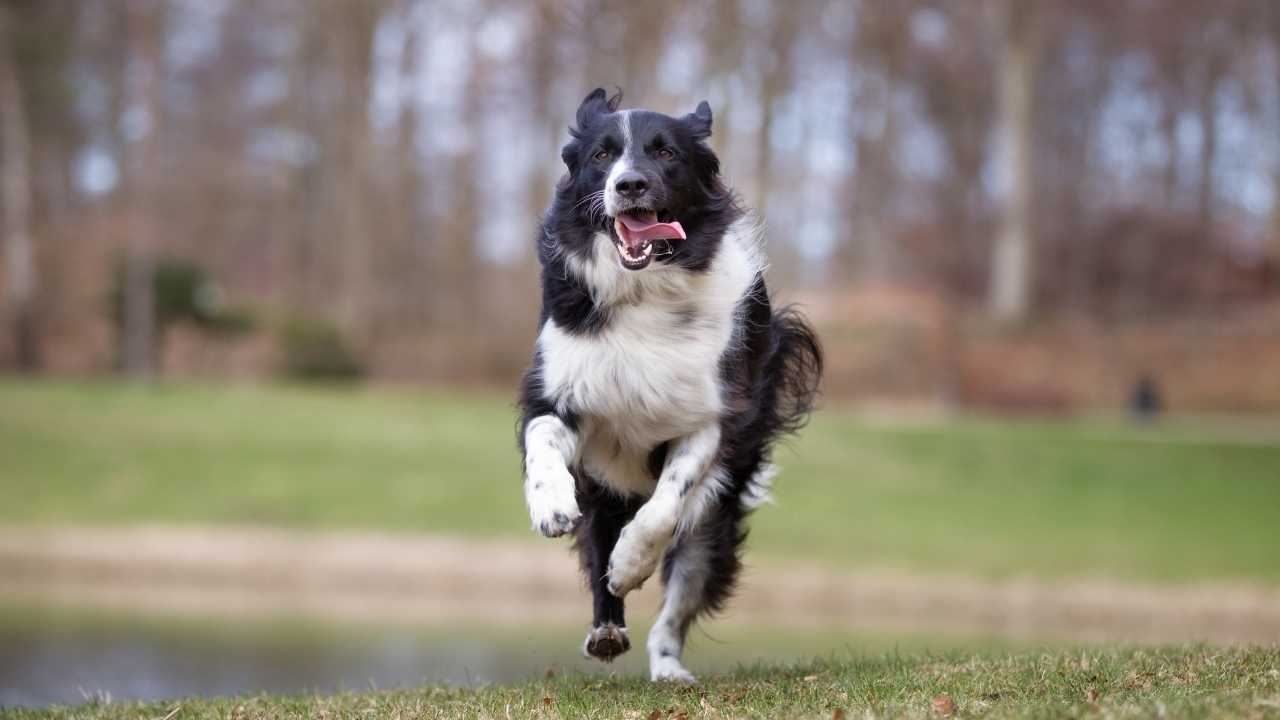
x: 612, y: 203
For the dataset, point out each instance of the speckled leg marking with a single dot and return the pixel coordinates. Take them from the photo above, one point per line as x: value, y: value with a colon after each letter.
x: 549, y: 487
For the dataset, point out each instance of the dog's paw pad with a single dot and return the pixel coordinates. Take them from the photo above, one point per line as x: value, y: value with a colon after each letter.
x: 606, y: 642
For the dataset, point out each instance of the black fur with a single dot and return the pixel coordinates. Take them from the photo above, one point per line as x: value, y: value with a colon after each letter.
x: 769, y: 374
x: 603, y: 515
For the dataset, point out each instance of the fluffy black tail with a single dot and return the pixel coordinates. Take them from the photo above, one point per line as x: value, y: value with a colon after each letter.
x: 793, y: 371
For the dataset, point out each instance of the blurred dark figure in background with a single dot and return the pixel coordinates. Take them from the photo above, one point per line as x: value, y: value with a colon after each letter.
x: 1146, y: 402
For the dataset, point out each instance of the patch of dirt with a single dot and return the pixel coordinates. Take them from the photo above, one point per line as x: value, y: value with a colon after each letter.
x: 429, y: 580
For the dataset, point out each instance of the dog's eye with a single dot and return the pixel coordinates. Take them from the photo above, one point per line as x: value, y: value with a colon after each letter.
x: 666, y: 154
x: 602, y: 155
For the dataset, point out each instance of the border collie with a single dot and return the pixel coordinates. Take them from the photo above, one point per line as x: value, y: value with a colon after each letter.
x: 661, y: 373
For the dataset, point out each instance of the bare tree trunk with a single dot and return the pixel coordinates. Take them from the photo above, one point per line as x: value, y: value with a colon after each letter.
x: 1208, y: 141
x: 412, y: 185
x: 868, y: 254
x: 1169, y: 129
x: 458, y: 249
x: 775, y: 67
x: 358, y: 237
x: 543, y: 74
x: 1012, y: 270
x: 15, y: 175
x: 139, y: 294
x: 1275, y: 219
x: 1273, y: 23
x: 1274, y: 19
x: 306, y: 112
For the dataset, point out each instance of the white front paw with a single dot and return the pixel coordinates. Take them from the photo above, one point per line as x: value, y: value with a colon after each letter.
x: 669, y: 669
x: 553, y: 504
x: 634, y: 559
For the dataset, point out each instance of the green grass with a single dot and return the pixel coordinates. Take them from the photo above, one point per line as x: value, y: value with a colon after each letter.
x: 989, y: 497
x: 1175, y: 682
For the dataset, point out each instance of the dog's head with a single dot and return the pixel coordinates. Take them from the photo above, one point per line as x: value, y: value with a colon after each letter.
x: 647, y: 179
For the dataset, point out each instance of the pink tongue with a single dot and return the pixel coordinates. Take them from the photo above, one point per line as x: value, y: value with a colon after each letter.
x: 636, y: 230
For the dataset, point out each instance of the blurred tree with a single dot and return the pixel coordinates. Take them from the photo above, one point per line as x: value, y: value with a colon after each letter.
x: 357, y: 22
x: 142, y: 123
x: 772, y: 56
x: 1271, y: 25
x: 378, y: 166
x: 15, y: 184
x: 1013, y: 257
x: 880, y: 46
x: 1214, y: 55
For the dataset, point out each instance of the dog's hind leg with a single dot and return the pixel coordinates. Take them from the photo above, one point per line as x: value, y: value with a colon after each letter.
x: 604, y: 515
x: 699, y: 573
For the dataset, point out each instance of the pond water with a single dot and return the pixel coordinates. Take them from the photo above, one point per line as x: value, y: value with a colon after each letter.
x: 61, y: 657
x: 56, y: 662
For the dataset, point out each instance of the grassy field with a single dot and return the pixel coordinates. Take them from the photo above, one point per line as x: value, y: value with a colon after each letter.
x: 983, y: 497
x: 1179, y: 682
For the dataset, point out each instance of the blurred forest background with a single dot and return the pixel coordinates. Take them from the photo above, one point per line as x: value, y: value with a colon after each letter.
x: 1024, y: 205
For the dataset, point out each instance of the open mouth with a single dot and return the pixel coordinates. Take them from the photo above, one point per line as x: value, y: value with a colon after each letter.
x: 635, y: 232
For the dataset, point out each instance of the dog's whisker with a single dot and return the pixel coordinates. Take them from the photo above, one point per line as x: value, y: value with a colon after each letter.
x: 590, y: 197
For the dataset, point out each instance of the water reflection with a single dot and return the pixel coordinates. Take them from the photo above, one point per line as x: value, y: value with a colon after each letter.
x: 45, y: 662
x: 67, y: 657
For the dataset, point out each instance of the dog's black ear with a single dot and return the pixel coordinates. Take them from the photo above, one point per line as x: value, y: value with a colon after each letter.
x: 595, y: 104
x: 569, y: 154
x: 699, y: 121
x: 598, y: 103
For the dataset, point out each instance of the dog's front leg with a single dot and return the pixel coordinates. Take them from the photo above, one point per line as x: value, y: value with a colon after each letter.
x: 646, y: 537
x: 549, y: 487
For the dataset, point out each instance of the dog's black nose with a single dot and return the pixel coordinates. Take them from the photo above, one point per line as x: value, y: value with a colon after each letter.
x: 631, y: 185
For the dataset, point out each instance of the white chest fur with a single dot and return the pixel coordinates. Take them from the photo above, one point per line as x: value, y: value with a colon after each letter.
x: 652, y: 374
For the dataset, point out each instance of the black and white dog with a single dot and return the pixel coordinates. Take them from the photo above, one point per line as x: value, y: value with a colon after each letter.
x: 661, y: 374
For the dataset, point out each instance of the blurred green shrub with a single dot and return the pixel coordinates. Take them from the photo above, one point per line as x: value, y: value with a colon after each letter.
x: 184, y: 291
x: 314, y: 349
